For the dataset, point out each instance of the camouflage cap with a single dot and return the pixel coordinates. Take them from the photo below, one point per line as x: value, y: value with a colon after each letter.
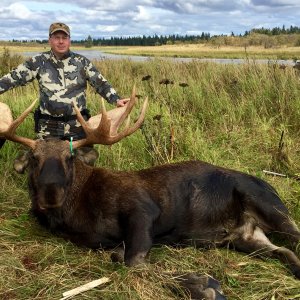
x: 59, y: 27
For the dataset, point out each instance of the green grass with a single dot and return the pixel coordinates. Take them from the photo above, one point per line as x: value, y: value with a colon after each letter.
x: 230, y: 115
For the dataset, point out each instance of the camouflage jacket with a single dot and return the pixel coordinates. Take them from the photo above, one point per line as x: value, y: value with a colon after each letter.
x: 60, y: 81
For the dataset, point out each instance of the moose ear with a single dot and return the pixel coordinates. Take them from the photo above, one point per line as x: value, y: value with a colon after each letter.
x: 87, y: 154
x: 21, y: 162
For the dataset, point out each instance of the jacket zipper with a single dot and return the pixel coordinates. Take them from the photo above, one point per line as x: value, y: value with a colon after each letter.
x: 63, y: 75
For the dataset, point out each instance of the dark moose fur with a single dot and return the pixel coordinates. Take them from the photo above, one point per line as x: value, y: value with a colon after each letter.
x: 188, y: 203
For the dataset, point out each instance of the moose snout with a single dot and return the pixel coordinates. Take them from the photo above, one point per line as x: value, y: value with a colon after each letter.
x: 52, y: 183
x: 52, y: 173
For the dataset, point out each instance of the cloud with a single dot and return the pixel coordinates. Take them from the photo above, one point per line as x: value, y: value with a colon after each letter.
x: 30, y: 19
x: 197, y: 6
x: 15, y: 11
x: 143, y: 14
x: 109, y: 28
x: 276, y: 3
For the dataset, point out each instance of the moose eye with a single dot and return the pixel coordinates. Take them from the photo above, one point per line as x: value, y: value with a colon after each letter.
x: 36, y: 156
x: 69, y: 158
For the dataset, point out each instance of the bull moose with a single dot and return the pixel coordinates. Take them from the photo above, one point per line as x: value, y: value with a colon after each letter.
x: 188, y: 203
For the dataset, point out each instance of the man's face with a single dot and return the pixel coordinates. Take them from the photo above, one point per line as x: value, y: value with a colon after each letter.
x: 59, y: 42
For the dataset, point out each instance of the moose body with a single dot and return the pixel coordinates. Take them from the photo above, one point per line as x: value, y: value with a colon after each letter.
x: 186, y: 203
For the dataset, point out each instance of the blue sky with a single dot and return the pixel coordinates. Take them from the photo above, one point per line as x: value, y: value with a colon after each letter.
x: 31, y: 19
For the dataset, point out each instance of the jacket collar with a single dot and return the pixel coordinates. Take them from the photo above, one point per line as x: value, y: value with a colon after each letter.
x: 65, y: 56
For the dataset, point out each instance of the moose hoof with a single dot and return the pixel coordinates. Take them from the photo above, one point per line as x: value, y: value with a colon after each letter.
x: 118, y: 255
x: 297, y: 273
x: 135, y: 260
x: 201, y: 286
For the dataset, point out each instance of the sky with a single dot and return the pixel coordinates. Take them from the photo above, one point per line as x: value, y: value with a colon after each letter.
x: 30, y: 20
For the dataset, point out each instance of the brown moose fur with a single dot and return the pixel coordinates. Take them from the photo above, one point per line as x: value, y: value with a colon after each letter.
x: 188, y: 203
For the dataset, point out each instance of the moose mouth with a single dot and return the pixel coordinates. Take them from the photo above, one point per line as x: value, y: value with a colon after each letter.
x: 51, y: 196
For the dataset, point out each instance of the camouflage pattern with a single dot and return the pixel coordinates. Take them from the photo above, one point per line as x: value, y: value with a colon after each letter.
x: 59, y: 129
x: 60, y: 82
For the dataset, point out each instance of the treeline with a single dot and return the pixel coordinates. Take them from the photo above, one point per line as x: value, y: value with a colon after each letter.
x: 276, y: 30
x: 256, y: 37
x: 157, y: 40
x: 144, y: 40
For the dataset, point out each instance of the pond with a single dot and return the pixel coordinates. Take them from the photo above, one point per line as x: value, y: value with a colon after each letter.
x: 97, y: 54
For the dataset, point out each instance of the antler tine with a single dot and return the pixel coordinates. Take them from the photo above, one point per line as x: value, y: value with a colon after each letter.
x: 132, y: 129
x: 129, y: 107
x: 97, y: 135
x: 103, y: 126
x: 105, y: 122
x: 15, y: 124
x: 10, y: 132
x: 80, y: 118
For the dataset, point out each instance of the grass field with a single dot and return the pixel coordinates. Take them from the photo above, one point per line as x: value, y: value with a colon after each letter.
x: 230, y: 115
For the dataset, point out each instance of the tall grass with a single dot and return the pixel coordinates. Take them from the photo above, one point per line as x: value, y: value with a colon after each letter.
x: 8, y: 60
x: 244, y: 117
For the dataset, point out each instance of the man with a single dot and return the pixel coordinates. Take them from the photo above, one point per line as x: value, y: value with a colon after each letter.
x: 62, y: 77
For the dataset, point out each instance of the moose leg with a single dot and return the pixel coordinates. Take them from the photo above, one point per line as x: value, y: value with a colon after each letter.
x: 255, y: 241
x: 138, y: 238
x: 286, y: 228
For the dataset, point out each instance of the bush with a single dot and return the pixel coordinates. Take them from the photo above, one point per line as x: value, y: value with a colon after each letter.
x: 8, y: 61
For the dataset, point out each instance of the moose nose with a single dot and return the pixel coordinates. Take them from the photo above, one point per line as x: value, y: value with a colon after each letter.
x: 52, y: 173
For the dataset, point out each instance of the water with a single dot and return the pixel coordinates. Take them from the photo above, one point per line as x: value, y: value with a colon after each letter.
x: 97, y: 54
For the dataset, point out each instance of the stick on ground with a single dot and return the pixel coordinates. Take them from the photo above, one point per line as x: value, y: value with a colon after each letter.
x: 85, y: 287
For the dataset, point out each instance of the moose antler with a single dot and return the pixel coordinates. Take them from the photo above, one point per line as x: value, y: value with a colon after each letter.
x: 8, y: 126
x: 106, y: 133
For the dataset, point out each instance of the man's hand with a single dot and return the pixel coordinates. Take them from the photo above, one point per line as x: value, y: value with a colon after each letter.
x: 122, y: 102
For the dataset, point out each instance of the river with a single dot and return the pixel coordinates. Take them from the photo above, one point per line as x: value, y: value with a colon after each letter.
x: 97, y: 54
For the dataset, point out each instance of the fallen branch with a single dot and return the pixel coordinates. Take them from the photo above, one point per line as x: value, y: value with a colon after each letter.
x: 295, y: 176
x: 84, y: 288
x: 274, y: 173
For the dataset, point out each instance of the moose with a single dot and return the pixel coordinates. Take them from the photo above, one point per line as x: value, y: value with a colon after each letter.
x: 187, y: 203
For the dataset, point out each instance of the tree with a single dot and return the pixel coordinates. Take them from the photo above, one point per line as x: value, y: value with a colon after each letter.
x: 89, y: 42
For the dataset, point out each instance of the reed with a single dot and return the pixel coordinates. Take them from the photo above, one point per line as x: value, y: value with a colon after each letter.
x: 230, y: 115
